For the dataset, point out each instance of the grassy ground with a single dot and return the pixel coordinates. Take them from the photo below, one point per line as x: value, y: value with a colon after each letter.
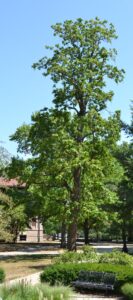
x: 20, y: 266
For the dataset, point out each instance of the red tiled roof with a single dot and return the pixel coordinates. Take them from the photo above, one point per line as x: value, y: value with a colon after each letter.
x: 10, y: 183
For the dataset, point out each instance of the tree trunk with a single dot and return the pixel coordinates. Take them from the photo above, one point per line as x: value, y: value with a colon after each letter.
x: 38, y: 230
x: 86, y: 231
x: 130, y: 234
x: 63, y: 235
x: 75, y: 210
x: 124, y: 249
x: 72, y: 236
x: 14, y: 231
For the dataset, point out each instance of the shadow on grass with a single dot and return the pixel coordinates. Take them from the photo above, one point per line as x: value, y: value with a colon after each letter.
x: 39, y: 267
x: 27, y: 257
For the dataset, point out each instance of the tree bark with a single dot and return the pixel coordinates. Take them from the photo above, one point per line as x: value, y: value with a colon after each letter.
x: 63, y: 235
x: 14, y: 231
x: 86, y: 231
x: 75, y: 209
x: 124, y: 249
x: 72, y: 236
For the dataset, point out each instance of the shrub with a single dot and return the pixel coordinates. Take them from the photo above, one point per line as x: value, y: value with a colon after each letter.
x: 68, y: 257
x: 2, y: 275
x: 127, y: 290
x: 38, y: 292
x: 116, y: 257
x: 87, y: 249
x: 89, y: 254
x: 66, y: 273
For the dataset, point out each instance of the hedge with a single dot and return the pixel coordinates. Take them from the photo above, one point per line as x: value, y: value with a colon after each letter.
x: 66, y: 273
x: 2, y: 275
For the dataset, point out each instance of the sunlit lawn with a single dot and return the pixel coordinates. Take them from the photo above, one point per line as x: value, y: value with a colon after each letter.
x: 19, y: 266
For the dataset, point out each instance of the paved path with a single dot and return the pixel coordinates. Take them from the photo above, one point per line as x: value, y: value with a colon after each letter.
x: 15, y: 253
x: 30, y: 279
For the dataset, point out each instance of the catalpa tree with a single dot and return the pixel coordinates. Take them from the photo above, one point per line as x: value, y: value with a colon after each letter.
x: 72, y: 143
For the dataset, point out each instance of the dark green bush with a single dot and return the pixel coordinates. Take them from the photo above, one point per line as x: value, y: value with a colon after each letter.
x: 127, y: 290
x: 2, y: 275
x: 65, y: 273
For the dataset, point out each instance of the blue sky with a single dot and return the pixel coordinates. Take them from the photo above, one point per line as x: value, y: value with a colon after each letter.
x: 25, y: 29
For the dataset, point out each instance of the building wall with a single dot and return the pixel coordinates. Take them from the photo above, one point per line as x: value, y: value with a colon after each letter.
x: 33, y: 234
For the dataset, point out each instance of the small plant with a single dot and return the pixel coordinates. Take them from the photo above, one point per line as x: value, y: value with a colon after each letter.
x: 38, y: 292
x: 2, y: 275
x: 90, y: 253
x: 87, y: 249
x: 127, y: 290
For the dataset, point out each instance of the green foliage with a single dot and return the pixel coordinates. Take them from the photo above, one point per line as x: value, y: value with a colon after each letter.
x: 88, y: 250
x: 2, y: 275
x: 60, y: 273
x: 89, y: 255
x: 66, y: 273
x: 124, y: 207
x: 38, y: 292
x: 81, y: 62
x: 13, y: 217
x: 5, y: 218
x: 127, y: 290
x: 69, y: 256
x: 116, y: 258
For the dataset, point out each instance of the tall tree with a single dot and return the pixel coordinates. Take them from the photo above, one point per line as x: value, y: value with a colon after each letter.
x: 73, y: 140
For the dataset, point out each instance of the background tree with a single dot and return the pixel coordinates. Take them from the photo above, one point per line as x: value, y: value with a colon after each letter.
x: 4, y: 219
x: 5, y: 159
x: 124, y: 155
x: 13, y: 218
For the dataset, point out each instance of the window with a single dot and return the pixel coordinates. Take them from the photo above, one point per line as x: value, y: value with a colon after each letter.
x: 23, y: 237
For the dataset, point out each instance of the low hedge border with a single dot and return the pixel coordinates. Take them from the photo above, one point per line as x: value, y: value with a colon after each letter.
x: 66, y: 273
x: 2, y: 275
